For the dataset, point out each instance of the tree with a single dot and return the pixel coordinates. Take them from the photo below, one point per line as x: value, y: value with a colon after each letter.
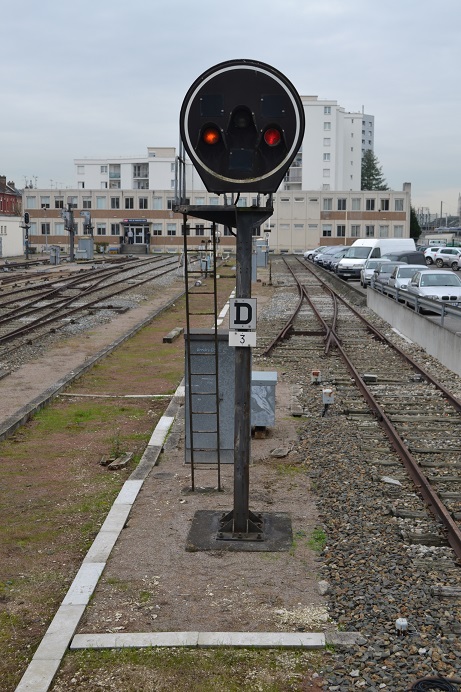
x: 372, y: 175
x: 415, y: 228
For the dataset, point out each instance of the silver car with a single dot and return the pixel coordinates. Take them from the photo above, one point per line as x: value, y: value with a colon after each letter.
x: 436, y: 284
x: 401, y: 276
x: 367, y: 271
x: 447, y: 257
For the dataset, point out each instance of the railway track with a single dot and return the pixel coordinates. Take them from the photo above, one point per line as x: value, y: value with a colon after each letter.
x: 31, y: 310
x: 375, y: 379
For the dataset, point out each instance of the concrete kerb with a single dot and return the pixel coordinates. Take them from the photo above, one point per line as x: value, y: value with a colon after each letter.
x: 23, y: 414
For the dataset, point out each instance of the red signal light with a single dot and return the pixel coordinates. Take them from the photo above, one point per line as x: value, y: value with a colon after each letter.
x: 272, y: 136
x: 211, y: 135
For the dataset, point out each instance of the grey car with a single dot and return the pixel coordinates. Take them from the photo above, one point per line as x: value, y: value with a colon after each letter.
x: 401, y: 276
x: 366, y: 272
x: 381, y: 274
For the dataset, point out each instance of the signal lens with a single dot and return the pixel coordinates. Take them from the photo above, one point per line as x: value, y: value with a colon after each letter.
x: 211, y: 135
x: 272, y: 137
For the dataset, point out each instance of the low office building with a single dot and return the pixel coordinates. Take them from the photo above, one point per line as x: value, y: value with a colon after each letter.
x: 301, y: 219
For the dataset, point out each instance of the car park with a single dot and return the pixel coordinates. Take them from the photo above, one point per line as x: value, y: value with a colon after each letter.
x: 402, y: 275
x: 367, y: 270
x: 436, y: 284
x: 382, y: 273
x: 447, y: 257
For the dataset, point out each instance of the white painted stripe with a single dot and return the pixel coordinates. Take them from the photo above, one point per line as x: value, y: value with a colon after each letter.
x: 161, y: 431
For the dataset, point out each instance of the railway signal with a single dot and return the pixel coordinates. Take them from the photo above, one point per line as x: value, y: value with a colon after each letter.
x: 242, y: 123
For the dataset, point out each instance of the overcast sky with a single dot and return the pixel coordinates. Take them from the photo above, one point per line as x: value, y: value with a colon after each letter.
x: 107, y: 78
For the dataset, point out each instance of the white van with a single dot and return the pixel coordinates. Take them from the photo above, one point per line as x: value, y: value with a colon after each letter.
x: 369, y: 248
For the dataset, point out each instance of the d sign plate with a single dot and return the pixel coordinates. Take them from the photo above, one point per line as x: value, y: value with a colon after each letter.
x: 242, y: 314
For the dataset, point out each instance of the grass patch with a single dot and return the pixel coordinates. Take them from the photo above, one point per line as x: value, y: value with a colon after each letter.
x: 318, y: 540
x: 191, y: 670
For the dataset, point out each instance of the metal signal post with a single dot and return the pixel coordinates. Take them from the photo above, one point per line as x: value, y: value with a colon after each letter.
x: 241, y: 123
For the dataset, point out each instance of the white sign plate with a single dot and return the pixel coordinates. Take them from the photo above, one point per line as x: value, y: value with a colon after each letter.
x: 242, y: 314
x: 242, y: 338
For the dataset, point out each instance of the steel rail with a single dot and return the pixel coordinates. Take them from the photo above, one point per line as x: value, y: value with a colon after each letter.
x: 421, y: 482
x: 53, y: 317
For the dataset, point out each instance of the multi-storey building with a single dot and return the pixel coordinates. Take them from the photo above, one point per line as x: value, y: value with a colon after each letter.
x: 301, y: 219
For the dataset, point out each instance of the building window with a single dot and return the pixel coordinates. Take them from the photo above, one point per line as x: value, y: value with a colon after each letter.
x: 326, y: 230
x: 86, y: 203
x: 143, y: 203
x: 100, y: 202
x: 115, y: 229
x: 157, y: 203
x: 59, y: 228
x: 73, y: 202
x: 299, y: 199
x: 341, y: 231
x: 326, y: 172
x: 45, y: 228
x: 115, y: 202
x: 398, y: 205
x: 200, y: 200
x: 104, y: 185
x: 384, y: 205
x: 214, y: 201
x: 369, y: 231
x: 129, y: 203
x: 370, y: 204
x: 199, y: 229
x: 80, y: 170
x: 326, y: 141
x: 101, y: 229
x: 325, y: 187
x: 59, y: 203
x: 342, y: 204
x: 170, y: 203
x: 327, y: 110
x: 327, y: 126
x: 242, y: 202
x: 355, y: 231
x: 327, y: 203
x: 356, y: 203
x: 171, y: 229
x: 186, y: 228
x: 44, y: 202
x: 327, y: 157
x: 157, y: 229
x: 398, y: 231
x: 80, y: 185
x: 103, y: 169
x: 299, y: 227
x: 384, y: 231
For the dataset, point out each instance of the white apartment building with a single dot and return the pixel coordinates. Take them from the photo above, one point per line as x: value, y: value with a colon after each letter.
x: 319, y: 201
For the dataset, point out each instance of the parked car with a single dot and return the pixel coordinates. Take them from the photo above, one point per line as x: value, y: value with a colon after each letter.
x: 323, y: 258
x: 309, y: 254
x: 447, y: 257
x: 430, y: 252
x: 412, y: 257
x: 457, y: 268
x: 401, y: 275
x: 367, y: 270
x: 335, y: 259
x: 382, y: 273
x: 436, y: 284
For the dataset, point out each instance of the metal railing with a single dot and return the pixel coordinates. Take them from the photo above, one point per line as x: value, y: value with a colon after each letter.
x: 418, y: 304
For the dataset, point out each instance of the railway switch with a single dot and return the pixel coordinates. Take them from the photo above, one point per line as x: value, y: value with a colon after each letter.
x: 242, y: 123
